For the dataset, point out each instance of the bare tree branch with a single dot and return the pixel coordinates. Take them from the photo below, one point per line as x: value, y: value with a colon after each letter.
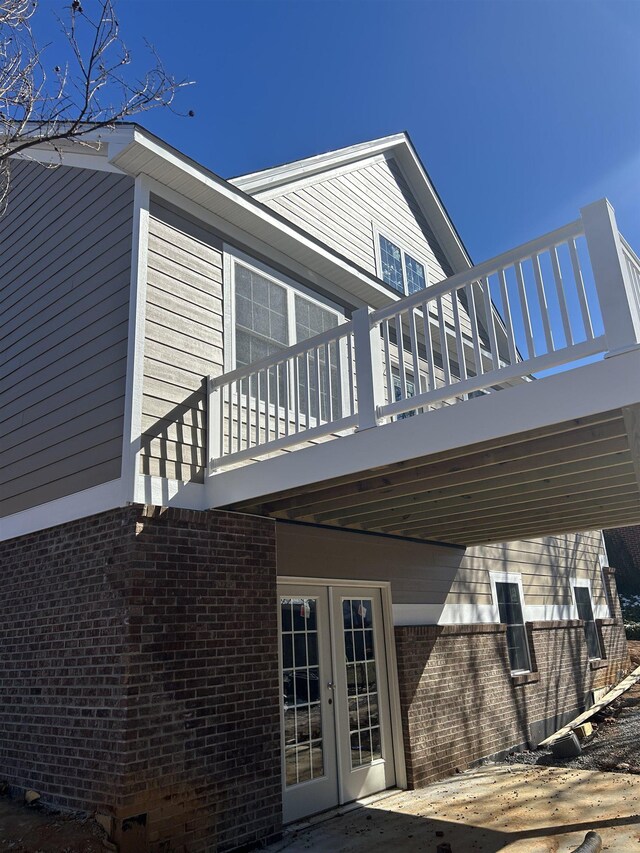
x: 92, y: 86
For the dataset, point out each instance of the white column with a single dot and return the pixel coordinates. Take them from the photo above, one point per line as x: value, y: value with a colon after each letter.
x: 215, y: 437
x: 618, y: 302
x: 369, y: 378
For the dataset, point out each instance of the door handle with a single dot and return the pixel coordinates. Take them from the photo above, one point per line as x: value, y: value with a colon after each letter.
x: 330, y: 685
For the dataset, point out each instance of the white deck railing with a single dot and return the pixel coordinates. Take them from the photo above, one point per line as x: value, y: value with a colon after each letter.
x: 303, y: 393
x: 566, y: 296
x: 546, y: 319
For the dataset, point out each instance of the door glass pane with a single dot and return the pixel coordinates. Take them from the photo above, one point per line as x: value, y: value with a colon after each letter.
x: 361, y: 672
x: 303, y: 756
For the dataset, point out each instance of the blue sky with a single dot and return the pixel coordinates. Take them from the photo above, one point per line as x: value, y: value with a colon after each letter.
x: 522, y: 110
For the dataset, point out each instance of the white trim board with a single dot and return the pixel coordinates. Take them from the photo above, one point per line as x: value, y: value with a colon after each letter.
x: 132, y: 427
x: 316, y: 178
x: 288, y: 174
x: 93, y: 160
x: 160, y: 491
x: 405, y: 615
x: 62, y: 510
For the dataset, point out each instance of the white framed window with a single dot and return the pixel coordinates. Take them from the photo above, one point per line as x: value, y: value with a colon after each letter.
x: 267, y: 312
x: 508, y: 598
x: 581, y: 589
x: 396, y: 266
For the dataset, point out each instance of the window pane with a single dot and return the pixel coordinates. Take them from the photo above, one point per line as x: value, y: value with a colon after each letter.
x: 583, y: 600
x: 261, y: 306
x: 510, y: 608
x: 509, y: 603
x: 391, y: 262
x: 585, y: 612
x: 517, y: 647
x: 250, y: 348
x: 414, y: 270
x: 311, y: 320
x: 397, y: 393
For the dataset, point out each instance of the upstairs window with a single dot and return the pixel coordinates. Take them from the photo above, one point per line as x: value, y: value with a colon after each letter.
x: 398, y: 268
x: 271, y: 314
x: 582, y: 595
x: 511, y: 614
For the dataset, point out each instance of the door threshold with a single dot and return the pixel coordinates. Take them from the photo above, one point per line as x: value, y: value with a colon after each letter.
x: 322, y: 817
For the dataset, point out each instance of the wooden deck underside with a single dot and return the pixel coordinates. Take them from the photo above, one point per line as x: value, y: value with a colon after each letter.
x: 572, y: 476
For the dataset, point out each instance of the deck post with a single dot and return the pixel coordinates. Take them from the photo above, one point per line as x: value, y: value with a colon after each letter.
x: 368, y: 360
x: 214, y: 422
x: 618, y: 301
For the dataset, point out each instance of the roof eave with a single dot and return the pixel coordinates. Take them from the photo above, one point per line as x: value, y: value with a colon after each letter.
x: 148, y: 155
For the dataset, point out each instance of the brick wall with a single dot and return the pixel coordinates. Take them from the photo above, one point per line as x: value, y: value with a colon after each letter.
x: 62, y: 641
x: 623, y: 550
x: 460, y: 702
x: 140, y: 674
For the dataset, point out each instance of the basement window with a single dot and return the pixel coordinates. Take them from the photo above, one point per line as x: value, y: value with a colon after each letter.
x: 582, y: 595
x: 509, y: 598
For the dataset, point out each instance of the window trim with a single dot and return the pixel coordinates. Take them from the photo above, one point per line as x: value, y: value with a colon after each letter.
x: 388, y: 234
x: 585, y: 583
x: 514, y: 578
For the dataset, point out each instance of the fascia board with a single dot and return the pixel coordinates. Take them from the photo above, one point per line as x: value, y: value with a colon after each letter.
x: 442, y: 224
x: 93, y: 150
x: 270, y: 179
x: 432, y: 206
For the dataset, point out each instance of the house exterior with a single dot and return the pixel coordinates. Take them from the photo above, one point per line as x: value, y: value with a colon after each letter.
x: 287, y: 517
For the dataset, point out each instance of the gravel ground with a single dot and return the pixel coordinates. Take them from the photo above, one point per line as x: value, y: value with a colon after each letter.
x: 615, y: 743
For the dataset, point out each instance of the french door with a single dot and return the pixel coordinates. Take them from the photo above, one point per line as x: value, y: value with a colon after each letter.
x: 336, y: 719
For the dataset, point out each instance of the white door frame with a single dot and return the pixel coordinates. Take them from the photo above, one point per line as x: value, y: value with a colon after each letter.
x: 392, y: 662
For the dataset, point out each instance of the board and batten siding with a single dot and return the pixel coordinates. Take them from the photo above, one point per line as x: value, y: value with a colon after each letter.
x: 421, y: 573
x: 65, y: 264
x: 183, y: 342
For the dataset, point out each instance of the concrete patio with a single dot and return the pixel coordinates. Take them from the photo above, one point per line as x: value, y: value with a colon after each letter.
x: 518, y: 809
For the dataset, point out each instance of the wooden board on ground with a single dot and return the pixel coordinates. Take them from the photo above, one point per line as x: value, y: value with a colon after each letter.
x: 607, y: 699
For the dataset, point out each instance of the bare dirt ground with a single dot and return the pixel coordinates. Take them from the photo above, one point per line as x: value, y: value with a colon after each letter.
x: 29, y: 829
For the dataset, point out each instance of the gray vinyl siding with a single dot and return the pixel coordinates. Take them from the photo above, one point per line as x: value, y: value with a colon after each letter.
x: 183, y: 342
x: 65, y: 269
x: 421, y: 573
